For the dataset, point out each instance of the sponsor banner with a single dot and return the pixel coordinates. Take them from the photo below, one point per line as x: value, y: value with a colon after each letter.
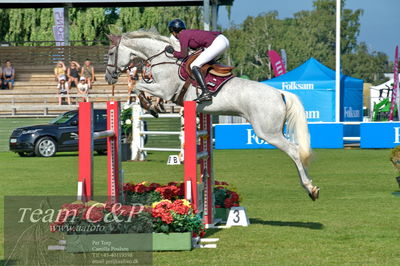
x: 242, y: 136
x: 58, y: 28
x: 277, y: 64
x: 379, y: 135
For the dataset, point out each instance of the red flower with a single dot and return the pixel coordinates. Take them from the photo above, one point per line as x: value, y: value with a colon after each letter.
x: 154, y: 185
x: 140, y: 188
x: 234, y: 197
x: 217, y: 183
x: 224, y: 183
x: 129, y: 187
x: 180, y: 208
x: 168, y: 192
x: 228, y: 203
x: 181, y: 190
x: 172, y: 183
x: 218, y: 206
x: 167, y: 218
x: 93, y: 214
x: 236, y: 205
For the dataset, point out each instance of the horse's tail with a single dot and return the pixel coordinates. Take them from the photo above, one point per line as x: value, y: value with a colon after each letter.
x: 297, y: 125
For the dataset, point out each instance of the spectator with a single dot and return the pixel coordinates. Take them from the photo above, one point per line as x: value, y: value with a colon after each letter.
x: 88, y: 73
x: 73, y: 73
x: 8, y: 75
x: 63, y: 90
x: 1, y: 78
x: 133, y: 76
x: 83, y: 89
x: 60, y: 71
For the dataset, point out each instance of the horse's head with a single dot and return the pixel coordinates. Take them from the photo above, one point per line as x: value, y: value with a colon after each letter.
x: 119, y: 57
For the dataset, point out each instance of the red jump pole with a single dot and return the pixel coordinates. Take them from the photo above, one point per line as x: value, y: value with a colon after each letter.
x: 115, y: 183
x: 85, y: 146
x: 190, y: 148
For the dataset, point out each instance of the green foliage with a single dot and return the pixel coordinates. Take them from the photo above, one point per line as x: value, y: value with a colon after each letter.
x: 369, y: 66
x: 307, y: 34
x: 143, y: 198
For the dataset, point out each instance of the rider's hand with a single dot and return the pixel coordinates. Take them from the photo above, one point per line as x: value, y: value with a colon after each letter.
x: 169, y: 49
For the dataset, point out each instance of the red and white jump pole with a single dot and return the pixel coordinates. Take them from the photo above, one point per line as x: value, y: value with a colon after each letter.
x: 86, y: 138
x: 199, y: 194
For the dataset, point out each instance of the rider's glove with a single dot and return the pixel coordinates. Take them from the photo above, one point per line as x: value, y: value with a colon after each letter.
x: 169, y: 49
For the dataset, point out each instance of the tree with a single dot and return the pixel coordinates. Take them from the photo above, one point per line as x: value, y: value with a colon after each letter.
x: 364, y: 65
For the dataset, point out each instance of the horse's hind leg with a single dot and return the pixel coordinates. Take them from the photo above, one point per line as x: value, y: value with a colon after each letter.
x: 278, y: 140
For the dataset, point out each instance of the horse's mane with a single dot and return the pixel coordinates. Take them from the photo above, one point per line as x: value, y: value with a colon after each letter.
x: 150, y: 34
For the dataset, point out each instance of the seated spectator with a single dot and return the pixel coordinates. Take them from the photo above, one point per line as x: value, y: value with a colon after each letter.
x: 83, y: 89
x: 1, y: 78
x: 63, y: 90
x: 73, y: 73
x: 60, y: 71
x: 88, y: 73
x: 8, y: 75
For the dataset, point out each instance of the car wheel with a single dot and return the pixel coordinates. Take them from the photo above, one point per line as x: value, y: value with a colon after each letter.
x: 45, y: 147
x: 26, y: 154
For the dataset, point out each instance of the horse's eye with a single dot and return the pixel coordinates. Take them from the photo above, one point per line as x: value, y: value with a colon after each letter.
x: 111, y: 53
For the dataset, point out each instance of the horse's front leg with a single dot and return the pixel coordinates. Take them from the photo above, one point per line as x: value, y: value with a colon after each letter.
x: 155, y: 89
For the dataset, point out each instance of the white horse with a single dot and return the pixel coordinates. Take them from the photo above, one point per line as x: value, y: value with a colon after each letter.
x: 266, y: 108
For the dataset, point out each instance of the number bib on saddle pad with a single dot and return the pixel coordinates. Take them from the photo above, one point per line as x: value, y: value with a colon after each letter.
x: 215, y: 75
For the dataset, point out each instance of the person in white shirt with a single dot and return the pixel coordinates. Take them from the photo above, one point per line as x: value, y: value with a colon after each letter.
x: 63, y: 89
x: 83, y: 89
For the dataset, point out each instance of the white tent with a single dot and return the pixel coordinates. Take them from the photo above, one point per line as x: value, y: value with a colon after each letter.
x: 374, y: 91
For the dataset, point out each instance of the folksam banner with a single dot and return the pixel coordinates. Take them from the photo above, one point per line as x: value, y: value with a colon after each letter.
x: 242, y: 136
x: 379, y: 135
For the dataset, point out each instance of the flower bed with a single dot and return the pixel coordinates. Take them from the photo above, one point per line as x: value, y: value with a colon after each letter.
x: 151, y: 211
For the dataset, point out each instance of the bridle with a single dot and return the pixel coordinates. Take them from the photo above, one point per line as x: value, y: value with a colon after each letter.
x: 147, y: 63
x: 114, y: 74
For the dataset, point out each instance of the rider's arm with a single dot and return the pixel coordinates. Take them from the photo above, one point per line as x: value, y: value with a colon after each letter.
x: 184, y: 41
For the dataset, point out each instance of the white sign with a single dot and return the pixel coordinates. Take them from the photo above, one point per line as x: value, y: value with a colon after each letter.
x: 237, y: 217
x: 58, y: 28
x: 173, y: 160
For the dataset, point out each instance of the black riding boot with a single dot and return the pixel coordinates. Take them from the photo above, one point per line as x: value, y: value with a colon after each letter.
x: 205, y: 93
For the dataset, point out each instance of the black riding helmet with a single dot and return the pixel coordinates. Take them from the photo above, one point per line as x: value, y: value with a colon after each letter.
x: 176, y: 25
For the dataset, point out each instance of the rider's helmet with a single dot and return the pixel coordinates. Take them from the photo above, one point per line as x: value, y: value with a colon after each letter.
x: 176, y: 25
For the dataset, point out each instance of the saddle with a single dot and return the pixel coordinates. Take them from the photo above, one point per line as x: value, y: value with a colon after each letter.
x: 212, y: 67
x: 215, y: 75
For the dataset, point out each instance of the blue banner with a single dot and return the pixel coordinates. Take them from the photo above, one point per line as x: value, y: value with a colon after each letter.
x: 380, y: 135
x: 242, y: 136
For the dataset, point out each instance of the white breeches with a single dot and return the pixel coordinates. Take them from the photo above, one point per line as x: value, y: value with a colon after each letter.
x: 218, y: 46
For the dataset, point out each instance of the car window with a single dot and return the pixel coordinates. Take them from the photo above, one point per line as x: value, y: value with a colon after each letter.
x: 100, y: 117
x: 61, y: 119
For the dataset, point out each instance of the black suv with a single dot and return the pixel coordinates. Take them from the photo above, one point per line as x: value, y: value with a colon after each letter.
x: 60, y: 135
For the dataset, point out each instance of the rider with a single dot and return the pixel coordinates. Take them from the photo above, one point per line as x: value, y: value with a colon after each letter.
x: 214, y: 43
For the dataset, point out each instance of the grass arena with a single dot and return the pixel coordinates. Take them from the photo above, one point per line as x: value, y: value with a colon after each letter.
x: 355, y: 221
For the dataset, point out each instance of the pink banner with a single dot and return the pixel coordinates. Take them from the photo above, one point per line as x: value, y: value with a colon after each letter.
x: 395, y: 93
x: 277, y: 63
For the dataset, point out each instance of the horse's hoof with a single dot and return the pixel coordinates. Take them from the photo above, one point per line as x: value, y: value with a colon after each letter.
x: 314, y: 193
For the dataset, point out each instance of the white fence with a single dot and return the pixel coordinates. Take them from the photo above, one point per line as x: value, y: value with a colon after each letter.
x: 138, y: 149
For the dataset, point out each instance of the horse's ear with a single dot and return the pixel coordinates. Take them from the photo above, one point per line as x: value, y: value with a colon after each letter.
x: 115, y: 39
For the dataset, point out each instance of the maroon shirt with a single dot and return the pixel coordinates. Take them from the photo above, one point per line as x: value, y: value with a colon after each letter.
x: 194, y: 39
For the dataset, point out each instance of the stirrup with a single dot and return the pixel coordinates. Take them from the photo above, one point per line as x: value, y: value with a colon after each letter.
x: 205, y: 96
